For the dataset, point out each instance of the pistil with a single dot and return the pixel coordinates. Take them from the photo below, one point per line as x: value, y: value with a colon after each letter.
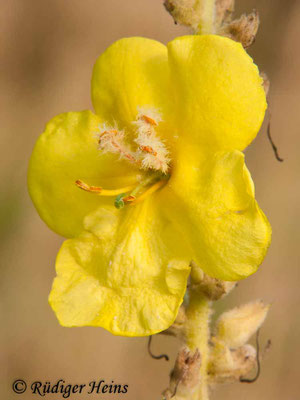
x: 155, y: 181
x: 150, y: 191
x: 129, y: 194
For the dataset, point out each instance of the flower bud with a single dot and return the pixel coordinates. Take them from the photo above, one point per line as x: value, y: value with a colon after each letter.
x: 236, y: 326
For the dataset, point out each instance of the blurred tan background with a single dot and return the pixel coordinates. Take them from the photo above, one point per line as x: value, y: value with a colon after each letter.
x: 47, y: 52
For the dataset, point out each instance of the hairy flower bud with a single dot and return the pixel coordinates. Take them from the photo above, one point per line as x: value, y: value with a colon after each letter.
x: 236, y: 326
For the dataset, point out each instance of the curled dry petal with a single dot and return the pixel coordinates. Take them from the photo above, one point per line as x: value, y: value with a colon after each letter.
x: 243, y: 30
x: 185, y: 377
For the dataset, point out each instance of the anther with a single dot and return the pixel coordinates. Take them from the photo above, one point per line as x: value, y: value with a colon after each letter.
x: 88, y: 188
x: 113, y: 131
x: 148, y: 149
x: 121, y: 200
x: 112, y: 140
x: 149, y: 120
x: 129, y: 199
x: 103, y: 192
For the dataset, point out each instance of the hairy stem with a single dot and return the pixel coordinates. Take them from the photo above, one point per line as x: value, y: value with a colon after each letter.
x: 197, y: 336
x: 207, y: 17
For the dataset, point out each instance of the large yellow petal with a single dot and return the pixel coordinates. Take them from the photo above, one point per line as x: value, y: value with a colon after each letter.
x: 65, y: 152
x: 220, y: 99
x: 126, y: 273
x: 131, y: 73
x: 212, y: 200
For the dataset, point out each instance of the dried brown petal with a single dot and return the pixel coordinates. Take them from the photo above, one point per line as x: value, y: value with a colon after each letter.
x: 242, y: 30
x: 214, y: 289
x: 229, y: 365
x: 185, y: 377
x: 184, y: 12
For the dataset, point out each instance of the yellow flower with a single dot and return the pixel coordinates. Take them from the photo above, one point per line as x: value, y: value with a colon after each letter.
x: 163, y: 179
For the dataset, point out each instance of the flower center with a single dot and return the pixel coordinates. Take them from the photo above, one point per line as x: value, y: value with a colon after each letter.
x: 148, y: 152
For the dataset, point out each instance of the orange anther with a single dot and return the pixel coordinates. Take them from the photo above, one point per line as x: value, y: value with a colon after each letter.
x: 110, y: 137
x: 103, y: 192
x: 113, y: 131
x: 148, y: 149
x: 149, y: 120
x: 88, y: 188
x: 128, y: 199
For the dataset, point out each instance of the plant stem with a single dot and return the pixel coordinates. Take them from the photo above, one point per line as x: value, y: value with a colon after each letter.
x: 197, y: 336
x: 207, y: 20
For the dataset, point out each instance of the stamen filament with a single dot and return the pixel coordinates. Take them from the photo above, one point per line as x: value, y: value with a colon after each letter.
x: 149, y: 191
x: 102, y: 192
x: 147, y: 181
x: 112, y: 140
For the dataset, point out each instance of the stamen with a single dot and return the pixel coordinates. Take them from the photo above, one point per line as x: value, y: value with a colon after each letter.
x: 134, y: 198
x: 149, y: 191
x: 129, y: 199
x: 111, y: 140
x: 103, y: 192
x: 112, y: 131
x: 148, y: 149
x: 147, y: 119
x: 122, y: 200
x: 88, y: 188
x: 152, y: 151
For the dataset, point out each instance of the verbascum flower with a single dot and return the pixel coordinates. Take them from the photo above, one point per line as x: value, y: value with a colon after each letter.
x: 154, y: 179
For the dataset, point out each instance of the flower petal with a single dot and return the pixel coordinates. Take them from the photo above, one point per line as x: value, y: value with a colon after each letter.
x: 126, y: 273
x: 220, y: 99
x: 131, y: 73
x: 65, y: 152
x: 212, y: 200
